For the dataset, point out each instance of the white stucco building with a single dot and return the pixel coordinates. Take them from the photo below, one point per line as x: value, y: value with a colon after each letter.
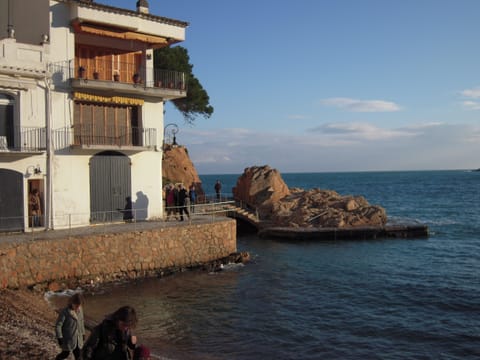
x: 81, y: 110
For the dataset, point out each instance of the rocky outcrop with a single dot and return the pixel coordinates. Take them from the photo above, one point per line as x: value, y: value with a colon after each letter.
x: 326, y: 208
x: 263, y: 189
x: 260, y: 187
x: 178, y: 168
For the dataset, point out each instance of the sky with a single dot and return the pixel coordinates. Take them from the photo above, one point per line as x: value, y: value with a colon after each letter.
x: 331, y: 85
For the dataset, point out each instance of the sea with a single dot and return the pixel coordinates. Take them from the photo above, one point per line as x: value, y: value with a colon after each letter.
x: 368, y: 299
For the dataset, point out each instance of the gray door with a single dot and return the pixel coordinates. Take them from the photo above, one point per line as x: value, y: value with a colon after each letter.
x: 110, y: 186
x: 11, y: 201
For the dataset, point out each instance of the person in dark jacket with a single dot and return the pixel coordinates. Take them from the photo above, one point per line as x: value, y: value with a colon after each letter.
x: 70, y: 329
x: 112, y: 338
x: 182, y: 201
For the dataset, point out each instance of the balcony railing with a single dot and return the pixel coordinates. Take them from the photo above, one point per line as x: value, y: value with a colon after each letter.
x: 82, y: 135
x: 24, y: 139
x: 129, y: 73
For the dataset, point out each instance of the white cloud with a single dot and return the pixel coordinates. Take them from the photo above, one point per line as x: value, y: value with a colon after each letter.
x: 362, y: 131
x: 471, y: 93
x: 335, y: 147
x: 471, y: 105
x: 297, y: 117
x: 355, y: 105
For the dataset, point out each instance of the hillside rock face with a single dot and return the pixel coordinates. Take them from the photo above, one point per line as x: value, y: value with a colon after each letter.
x: 178, y: 168
x: 262, y: 188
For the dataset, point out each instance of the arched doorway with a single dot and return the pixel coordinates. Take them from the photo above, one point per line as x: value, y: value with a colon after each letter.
x: 11, y: 201
x: 110, y: 186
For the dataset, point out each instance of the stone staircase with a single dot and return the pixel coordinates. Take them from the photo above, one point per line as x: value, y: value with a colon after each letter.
x: 244, y: 214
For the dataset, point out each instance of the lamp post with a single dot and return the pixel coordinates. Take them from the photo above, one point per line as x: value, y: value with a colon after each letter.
x: 170, y: 131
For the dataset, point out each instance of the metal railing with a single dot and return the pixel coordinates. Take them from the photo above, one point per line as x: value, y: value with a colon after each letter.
x: 107, y: 136
x: 24, y: 139
x: 34, y: 226
x: 122, y: 72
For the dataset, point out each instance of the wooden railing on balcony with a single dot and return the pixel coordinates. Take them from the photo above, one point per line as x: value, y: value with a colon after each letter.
x: 123, y: 73
x: 81, y: 135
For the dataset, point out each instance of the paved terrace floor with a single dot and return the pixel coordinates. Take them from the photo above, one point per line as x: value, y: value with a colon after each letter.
x: 110, y: 228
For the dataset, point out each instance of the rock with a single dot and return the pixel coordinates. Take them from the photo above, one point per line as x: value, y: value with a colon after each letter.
x: 178, y: 168
x: 263, y: 189
x: 259, y: 187
x: 54, y: 286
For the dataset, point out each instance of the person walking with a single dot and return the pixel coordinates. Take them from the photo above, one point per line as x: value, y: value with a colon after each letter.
x: 170, y: 195
x: 218, y: 189
x: 192, y: 194
x: 70, y: 329
x: 112, y: 338
x: 183, y: 201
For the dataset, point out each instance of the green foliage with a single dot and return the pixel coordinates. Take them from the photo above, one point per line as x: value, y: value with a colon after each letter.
x: 197, y: 101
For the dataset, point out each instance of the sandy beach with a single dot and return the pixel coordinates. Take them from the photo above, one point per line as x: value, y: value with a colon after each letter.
x: 26, y: 326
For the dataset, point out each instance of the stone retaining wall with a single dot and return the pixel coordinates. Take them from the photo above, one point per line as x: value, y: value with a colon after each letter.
x: 127, y: 254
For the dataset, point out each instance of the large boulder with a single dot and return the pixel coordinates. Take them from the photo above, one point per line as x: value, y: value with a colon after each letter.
x: 263, y: 189
x: 259, y: 187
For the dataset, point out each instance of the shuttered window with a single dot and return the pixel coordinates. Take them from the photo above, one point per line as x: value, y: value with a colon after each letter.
x: 103, y: 124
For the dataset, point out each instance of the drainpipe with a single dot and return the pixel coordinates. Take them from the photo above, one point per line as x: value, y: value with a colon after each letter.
x: 49, y: 153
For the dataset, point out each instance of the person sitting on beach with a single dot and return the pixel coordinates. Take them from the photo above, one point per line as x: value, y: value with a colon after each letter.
x: 141, y: 353
x: 112, y: 338
x: 70, y: 329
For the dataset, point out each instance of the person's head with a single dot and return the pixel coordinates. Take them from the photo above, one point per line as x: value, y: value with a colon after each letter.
x: 75, y: 301
x: 141, y: 353
x: 125, y: 317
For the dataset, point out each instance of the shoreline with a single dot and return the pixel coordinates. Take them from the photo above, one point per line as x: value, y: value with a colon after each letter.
x: 27, y: 318
x: 27, y: 323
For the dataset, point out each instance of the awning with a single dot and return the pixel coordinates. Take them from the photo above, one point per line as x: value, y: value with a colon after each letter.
x: 152, y: 40
x: 120, y: 100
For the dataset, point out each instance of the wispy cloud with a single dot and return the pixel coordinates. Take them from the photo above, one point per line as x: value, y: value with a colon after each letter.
x: 336, y: 146
x: 355, y: 105
x: 362, y: 131
x: 298, y: 117
x: 472, y: 95
x: 471, y: 105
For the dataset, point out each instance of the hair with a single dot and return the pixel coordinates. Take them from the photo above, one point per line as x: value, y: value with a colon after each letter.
x: 127, y: 314
x: 76, y: 299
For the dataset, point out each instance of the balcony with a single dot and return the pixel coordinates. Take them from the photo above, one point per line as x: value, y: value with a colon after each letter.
x: 121, y: 79
x: 133, y: 139
x: 23, y: 140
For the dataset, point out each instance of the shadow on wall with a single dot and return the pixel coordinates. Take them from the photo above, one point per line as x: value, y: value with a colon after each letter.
x: 141, y: 206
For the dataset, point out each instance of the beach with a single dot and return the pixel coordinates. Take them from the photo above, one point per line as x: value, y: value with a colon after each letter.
x: 26, y: 326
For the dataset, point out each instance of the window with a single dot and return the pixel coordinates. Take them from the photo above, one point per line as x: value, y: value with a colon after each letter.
x: 105, y: 124
x: 7, y: 104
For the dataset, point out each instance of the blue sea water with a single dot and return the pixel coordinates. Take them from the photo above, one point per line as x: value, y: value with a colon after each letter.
x: 377, y: 299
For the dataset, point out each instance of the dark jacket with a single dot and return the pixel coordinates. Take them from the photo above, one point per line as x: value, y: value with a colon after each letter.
x: 182, y: 196
x: 107, y: 342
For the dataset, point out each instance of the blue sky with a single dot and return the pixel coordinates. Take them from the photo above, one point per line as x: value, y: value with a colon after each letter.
x: 331, y: 85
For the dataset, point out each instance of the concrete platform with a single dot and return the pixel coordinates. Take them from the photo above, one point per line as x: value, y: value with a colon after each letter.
x: 357, y: 233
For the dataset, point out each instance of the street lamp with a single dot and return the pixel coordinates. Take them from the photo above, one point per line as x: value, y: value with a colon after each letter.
x: 169, y: 132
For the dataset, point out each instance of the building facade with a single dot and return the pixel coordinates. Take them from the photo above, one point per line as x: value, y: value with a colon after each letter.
x: 81, y: 112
